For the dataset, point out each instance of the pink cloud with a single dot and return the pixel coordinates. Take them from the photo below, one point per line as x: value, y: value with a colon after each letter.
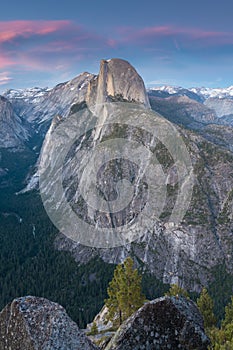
x: 112, y: 43
x: 10, y: 30
x: 40, y: 45
x: 140, y: 36
x: 6, y: 61
x: 46, y: 46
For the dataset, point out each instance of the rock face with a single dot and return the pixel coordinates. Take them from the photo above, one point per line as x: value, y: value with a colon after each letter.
x: 183, y: 254
x: 165, y: 323
x: 32, y: 323
x: 117, y: 81
x: 38, y: 106
x: 183, y: 110
x: 218, y: 102
x: 211, y: 117
x: 223, y: 108
x: 101, y: 321
x: 13, y: 133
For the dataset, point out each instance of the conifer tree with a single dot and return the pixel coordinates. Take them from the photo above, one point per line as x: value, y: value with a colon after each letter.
x: 228, y: 314
x: 124, y: 292
x: 206, y: 307
x: 222, y: 339
x: 94, y: 329
x: 175, y: 290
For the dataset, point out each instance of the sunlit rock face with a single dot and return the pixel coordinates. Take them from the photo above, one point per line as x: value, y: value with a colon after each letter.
x: 117, y: 81
x: 184, y: 253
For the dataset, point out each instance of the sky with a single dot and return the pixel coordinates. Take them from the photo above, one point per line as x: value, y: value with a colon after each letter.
x: 174, y: 42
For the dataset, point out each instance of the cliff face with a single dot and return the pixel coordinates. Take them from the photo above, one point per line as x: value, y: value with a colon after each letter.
x: 223, y: 108
x: 183, y: 110
x: 38, y: 106
x: 117, y: 81
x: 13, y: 133
x: 31, y: 323
x: 183, y: 252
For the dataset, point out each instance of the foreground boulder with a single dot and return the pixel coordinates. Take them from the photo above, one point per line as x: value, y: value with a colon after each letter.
x: 164, y: 323
x: 31, y: 323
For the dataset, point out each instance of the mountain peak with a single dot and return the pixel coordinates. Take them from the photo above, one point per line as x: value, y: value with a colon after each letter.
x: 117, y: 81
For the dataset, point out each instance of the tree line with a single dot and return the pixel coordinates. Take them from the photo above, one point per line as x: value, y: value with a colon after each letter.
x: 125, y: 296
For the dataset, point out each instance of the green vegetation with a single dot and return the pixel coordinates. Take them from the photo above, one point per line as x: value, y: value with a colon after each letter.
x: 222, y: 339
x: 29, y: 262
x: 220, y: 289
x: 124, y: 292
x: 225, y: 214
x: 176, y: 291
x: 206, y: 307
x: 75, y: 108
x: 94, y: 329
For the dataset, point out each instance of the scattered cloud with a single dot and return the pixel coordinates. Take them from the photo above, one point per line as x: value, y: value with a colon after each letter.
x: 43, y: 44
x: 11, y: 30
x: 187, y: 36
x: 4, y: 78
x: 62, y: 46
x: 161, y: 82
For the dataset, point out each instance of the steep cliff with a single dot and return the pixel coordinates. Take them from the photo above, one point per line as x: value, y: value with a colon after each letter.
x: 13, y: 133
x: 39, y: 106
x: 223, y: 108
x: 117, y: 81
x: 107, y: 191
x: 112, y: 155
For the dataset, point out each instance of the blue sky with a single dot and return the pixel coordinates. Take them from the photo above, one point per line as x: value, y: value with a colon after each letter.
x: 177, y: 42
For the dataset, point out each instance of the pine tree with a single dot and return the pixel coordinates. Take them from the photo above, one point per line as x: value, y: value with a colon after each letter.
x: 94, y: 329
x: 112, y: 303
x: 222, y: 339
x: 228, y: 314
x: 175, y: 291
x: 206, y: 306
x: 124, y: 291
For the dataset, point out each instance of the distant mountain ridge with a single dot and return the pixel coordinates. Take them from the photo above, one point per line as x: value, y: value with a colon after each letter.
x: 34, y: 108
x: 219, y: 101
x: 201, y: 91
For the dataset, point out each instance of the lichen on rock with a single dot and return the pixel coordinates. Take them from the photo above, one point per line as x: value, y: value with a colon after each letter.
x: 164, y: 323
x: 32, y: 323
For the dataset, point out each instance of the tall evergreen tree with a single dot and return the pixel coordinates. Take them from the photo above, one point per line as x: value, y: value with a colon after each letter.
x: 222, y: 339
x: 124, y: 291
x: 206, y: 307
x: 228, y: 314
x: 175, y: 291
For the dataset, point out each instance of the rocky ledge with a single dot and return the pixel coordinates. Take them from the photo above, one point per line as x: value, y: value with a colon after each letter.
x: 31, y: 323
x: 164, y: 323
